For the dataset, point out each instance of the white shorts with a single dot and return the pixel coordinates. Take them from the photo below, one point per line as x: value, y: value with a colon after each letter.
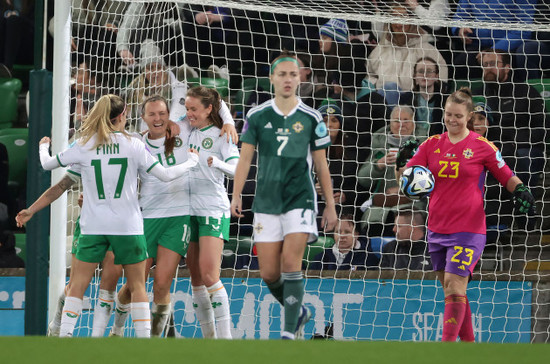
x: 269, y: 228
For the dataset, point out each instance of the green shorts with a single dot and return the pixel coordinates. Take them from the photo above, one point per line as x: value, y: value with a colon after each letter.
x: 209, y: 226
x: 171, y: 232
x: 76, y: 236
x: 128, y: 249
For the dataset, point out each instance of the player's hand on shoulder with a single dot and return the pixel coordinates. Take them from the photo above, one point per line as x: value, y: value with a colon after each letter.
x: 230, y: 132
x: 172, y: 129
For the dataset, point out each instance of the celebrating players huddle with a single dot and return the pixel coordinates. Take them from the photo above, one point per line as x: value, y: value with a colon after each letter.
x: 183, y: 208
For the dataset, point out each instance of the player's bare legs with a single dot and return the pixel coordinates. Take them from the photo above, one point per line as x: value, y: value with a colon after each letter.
x: 141, y: 314
x: 167, y: 263
x: 204, y: 261
x: 110, y: 274
x: 122, y: 303
x: 83, y: 273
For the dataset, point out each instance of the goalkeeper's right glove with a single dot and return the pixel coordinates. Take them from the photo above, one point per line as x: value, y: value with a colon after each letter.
x: 524, y: 200
x: 406, y: 152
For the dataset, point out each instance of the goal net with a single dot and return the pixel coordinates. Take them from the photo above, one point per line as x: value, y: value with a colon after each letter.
x: 381, y: 72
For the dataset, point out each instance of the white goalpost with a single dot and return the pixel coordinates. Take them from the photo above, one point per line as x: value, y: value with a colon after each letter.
x: 137, y: 48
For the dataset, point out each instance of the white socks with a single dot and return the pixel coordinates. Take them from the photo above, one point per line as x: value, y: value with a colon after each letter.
x: 71, y: 311
x: 121, y: 313
x: 141, y: 318
x: 159, y: 314
x: 204, y: 311
x: 220, y: 304
x: 55, y: 324
x: 102, y: 312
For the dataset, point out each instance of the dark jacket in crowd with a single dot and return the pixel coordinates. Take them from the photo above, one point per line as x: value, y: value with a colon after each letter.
x: 404, y: 255
x: 356, y: 259
x: 8, y: 256
x: 519, y: 118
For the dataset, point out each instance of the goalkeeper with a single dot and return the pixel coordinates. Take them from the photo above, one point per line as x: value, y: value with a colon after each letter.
x: 458, y: 160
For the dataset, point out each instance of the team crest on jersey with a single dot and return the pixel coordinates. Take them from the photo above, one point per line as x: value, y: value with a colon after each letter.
x: 178, y: 142
x: 321, y: 129
x: 298, y: 127
x: 468, y: 153
x: 207, y: 143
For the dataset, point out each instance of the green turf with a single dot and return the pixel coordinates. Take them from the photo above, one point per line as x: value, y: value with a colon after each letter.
x: 117, y: 350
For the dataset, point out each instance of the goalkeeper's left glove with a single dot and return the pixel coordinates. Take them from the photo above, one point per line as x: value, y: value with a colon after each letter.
x: 524, y: 200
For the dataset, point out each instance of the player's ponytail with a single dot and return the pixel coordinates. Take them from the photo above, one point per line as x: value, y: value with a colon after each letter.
x: 464, y: 96
x: 209, y: 97
x: 101, y: 119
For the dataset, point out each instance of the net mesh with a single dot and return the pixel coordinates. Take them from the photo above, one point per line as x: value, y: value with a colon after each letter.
x: 136, y: 49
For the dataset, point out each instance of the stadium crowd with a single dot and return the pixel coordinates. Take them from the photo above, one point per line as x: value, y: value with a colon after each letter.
x: 374, y: 86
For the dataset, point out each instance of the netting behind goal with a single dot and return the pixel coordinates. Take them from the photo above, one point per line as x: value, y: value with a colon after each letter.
x: 379, y: 57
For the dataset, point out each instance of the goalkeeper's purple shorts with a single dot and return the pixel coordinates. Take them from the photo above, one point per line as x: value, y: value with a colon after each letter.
x: 456, y: 253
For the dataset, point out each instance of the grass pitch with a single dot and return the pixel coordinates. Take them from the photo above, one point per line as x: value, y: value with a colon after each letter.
x: 46, y: 350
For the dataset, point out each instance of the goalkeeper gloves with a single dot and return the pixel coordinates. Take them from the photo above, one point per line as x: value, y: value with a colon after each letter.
x: 406, y: 152
x: 523, y: 199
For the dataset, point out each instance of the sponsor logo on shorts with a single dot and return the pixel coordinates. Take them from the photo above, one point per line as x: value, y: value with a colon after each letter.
x: 461, y: 267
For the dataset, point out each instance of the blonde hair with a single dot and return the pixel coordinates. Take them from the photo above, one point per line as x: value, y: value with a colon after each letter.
x: 99, y: 120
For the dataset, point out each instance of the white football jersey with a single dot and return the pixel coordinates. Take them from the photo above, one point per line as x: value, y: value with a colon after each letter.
x: 109, y: 177
x: 208, y: 196
x: 166, y: 199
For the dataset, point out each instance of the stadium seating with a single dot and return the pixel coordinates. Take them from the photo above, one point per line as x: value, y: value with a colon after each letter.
x: 377, y: 244
x: 14, y: 131
x: 543, y: 87
x: 248, y: 87
x: 220, y: 84
x: 16, y: 144
x: 9, y: 92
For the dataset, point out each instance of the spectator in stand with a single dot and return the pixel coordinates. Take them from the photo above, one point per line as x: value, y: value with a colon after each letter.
x: 378, y: 175
x: 88, y: 86
x: 342, y: 161
x: 310, y: 91
x: 425, y: 10
x: 518, y: 42
x: 16, y: 33
x: 409, y: 249
x: 427, y: 97
x: 391, y: 64
x: 519, y: 117
x: 496, y: 199
x: 8, y: 255
x: 154, y: 24
x: 349, y: 252
x: 364, y: 111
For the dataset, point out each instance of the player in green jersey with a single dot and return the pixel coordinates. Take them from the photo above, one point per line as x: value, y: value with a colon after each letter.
x: 292, y: 139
